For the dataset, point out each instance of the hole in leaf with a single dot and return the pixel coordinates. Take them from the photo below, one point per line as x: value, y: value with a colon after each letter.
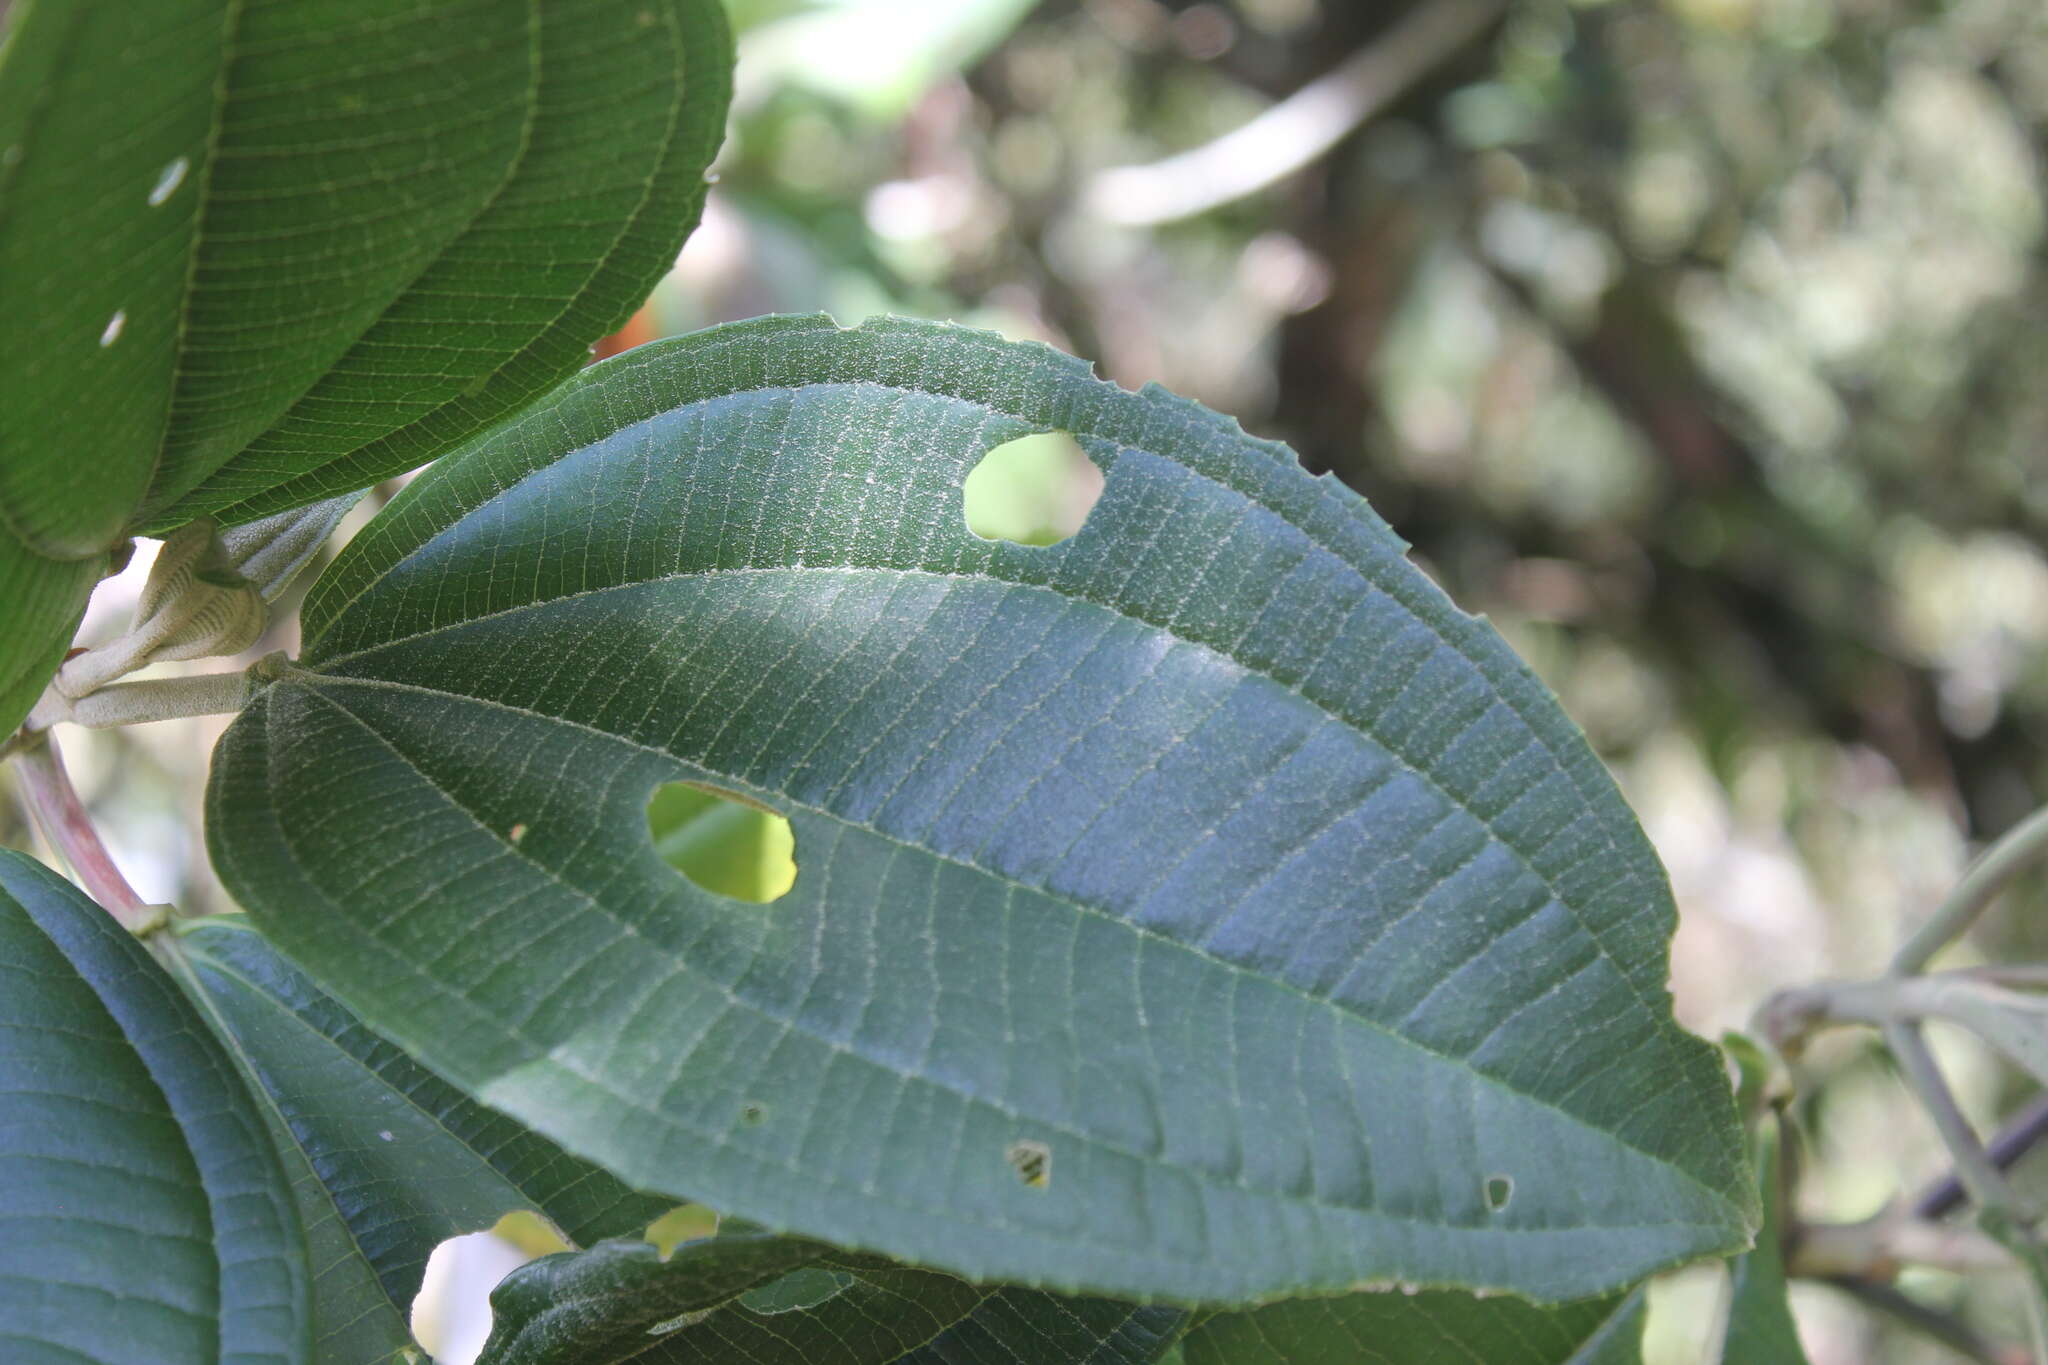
x: 1032, y: 1161
x: 796, y: 1291
x: 451, y: 1314
x: 1035, y: 490
x: 684, y: 1223
x: 1499, y: 1189
x: 722, y: 842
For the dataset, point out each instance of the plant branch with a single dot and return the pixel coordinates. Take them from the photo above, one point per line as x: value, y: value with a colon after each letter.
x: 1297, y: 130
x: 1930, y: 1322
x: 52, y: 802
x: 2020, y: 1135
x: 2000, y: 1210
x: 1878, y: 1248
x: 1981, y: 1180
x: 1980, y: 886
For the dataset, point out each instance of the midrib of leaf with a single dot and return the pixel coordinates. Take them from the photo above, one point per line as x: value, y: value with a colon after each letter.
x: 153, y: 495
x: 231, y: 20
x: 1628, y: 1309
x: 992, y: 574
x: 321, y: 618
x: 1083, y: 907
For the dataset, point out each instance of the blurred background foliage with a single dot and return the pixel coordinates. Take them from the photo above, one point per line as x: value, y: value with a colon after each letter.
x: 1702, y: 344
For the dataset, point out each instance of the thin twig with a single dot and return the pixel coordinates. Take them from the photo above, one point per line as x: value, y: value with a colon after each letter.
x: 2018, y: 1137
x: 1999, y: 1209
x: 1980, y: 886
x: 1878, y: 1248
x: 1982, y: 1181
x: 1930, y: 1322
x: 53, y: 804
x: 1295, y: 131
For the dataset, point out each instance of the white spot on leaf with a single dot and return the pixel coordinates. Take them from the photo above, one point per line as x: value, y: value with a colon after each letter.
x: 112, y: 332
x: 168, y: 180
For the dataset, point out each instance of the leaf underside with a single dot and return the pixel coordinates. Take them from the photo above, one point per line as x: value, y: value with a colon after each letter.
x: 1201, y: 908
x: 1400, y: 1329
x: 263, y: 253
x: 619, y: 1301
x: 386, y: 1160
x: 147, y: 1215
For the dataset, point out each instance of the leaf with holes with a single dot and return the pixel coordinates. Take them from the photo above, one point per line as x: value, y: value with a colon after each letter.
x: 386, y: 1160
x: 262, y: 254
x: 723, y: 845
x: 1199, y: 908
x: 1397, y: 1329
x: 128, y: 1140
x: 754, y: 1298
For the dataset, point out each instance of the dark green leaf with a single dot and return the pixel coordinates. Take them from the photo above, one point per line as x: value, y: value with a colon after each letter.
x: 1760, y: 1326
x: 1200, y: 908
x: 261, y: 254
x: 612, y: 1302
x: 734, y: 1298
x: 1404, y: 1329
x: 147, y: 1216
x: 387, y: 1161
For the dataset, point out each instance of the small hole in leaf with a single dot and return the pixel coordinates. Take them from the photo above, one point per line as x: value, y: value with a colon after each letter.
x: 1499, y: 1189
x: 684, y: 1223
x: 722, y: 842
x: 1032, y: 1161
x: 753, y: 1111
x: 1035, y: 490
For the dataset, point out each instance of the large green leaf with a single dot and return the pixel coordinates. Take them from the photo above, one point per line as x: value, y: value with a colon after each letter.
x: 387, y: 1161
x: 147, y: 1216
x: 1402, y: 1329
x: 621, y: 1302
x: 261, y: 253
x: 1202, y: 907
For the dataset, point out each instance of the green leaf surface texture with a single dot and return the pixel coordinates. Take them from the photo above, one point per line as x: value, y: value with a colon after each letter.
x: 1760, y: 1326
x: 1435, y: 1328
x: 41, y: 603
x: 148, y: 1218
x: 387, y: 1160
x: 261, y: 252
x: 1201, y: 908
x: 621, y: 1302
